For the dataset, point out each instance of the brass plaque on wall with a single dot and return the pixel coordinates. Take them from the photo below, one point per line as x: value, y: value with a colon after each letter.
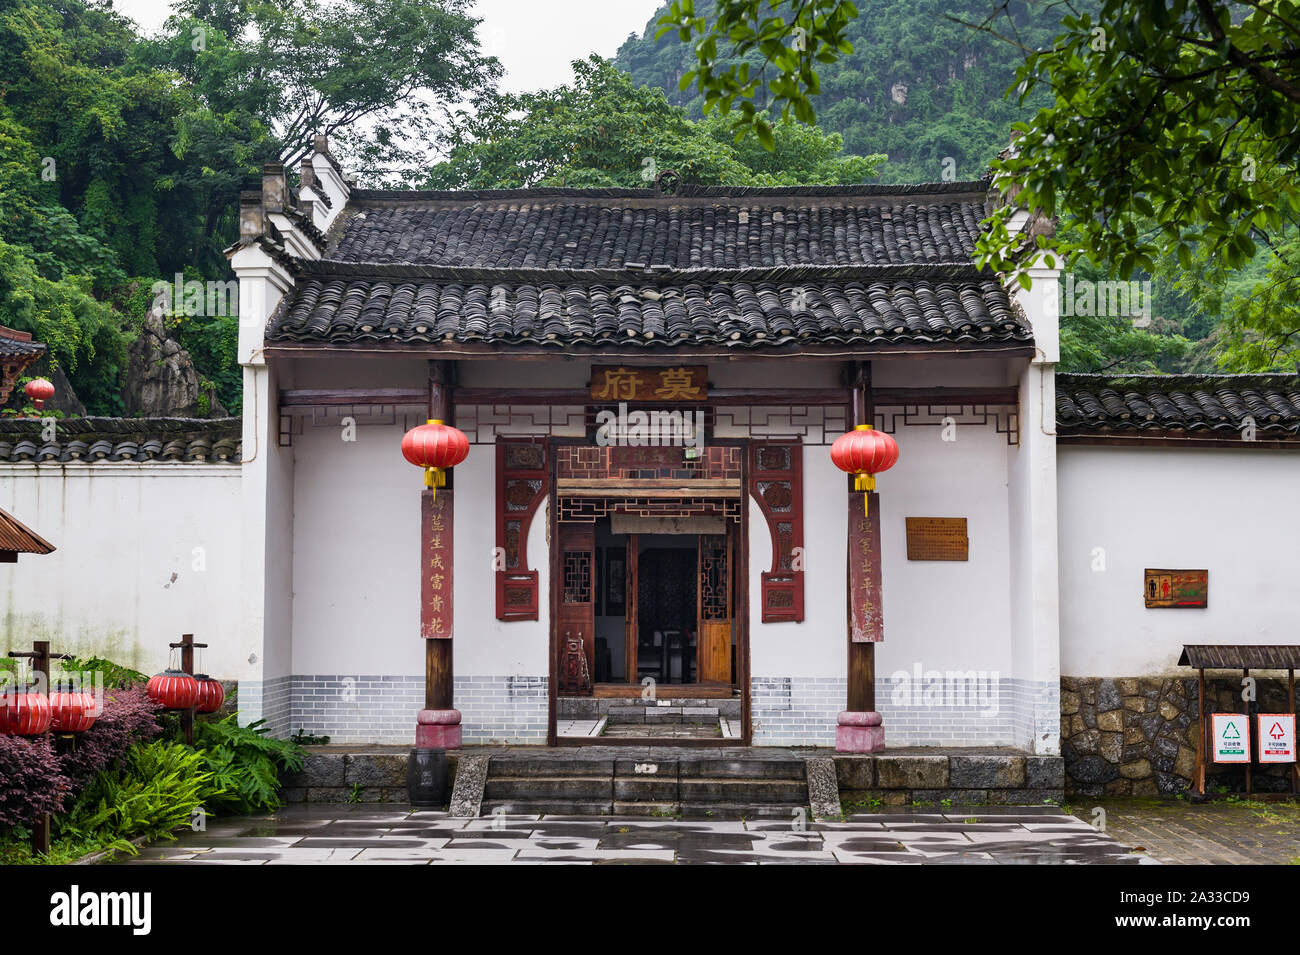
x: 937, y: 538
x: 1176, y: 588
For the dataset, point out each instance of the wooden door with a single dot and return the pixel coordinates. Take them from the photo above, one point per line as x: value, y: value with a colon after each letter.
x: 631, y: 631
x: 714, y: 609
x: 575, y: 623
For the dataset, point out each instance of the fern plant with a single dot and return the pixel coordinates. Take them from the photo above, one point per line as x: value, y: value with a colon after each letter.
x: 245, y: 763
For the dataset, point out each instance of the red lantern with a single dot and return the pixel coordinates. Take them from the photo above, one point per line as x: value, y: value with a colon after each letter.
x: 435, y: 447
x: 72, y: 712
x: 865, y: 452
x: 173, y: 689
x: 40, y: 391
x: 27, y: 714
x: 211, y: 693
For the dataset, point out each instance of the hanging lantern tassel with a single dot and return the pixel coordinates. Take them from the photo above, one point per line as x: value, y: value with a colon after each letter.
x: 435, y: 447
x: 865, y: 483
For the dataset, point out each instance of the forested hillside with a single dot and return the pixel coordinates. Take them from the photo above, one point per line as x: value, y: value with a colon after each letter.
x: 918, y: 85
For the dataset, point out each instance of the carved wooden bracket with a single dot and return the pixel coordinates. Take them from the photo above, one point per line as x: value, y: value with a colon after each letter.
x: 521, y: 485
x: 776, y: 483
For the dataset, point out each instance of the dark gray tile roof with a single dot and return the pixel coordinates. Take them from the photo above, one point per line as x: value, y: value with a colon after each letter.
x: 1200, y: 405
x: 18, y: 348
x: 1228, y: 656
x: 749, y: 309
x: 189, y: 440
x: 618, y: 268
x: 712, y: 228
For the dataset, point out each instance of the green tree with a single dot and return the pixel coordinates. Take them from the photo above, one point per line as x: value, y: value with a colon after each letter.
x: 605, y: 131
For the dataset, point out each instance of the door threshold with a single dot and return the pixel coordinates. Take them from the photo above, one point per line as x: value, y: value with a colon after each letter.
x: 644, y: 741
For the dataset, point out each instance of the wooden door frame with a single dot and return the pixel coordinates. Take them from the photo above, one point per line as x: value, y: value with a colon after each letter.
x: 741, y: 611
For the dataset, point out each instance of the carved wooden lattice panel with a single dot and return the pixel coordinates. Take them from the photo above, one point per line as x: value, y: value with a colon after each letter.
x: 575, y: 618
x: 714, y: 578
x: 521, y: 485
x: 776, y: 483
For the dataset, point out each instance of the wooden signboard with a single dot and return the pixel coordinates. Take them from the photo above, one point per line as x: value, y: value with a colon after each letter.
x: 866, y: 621
x: 1176, y: 588
x: 436, y: 586
x: 638, y: 383
x: 937, y: 538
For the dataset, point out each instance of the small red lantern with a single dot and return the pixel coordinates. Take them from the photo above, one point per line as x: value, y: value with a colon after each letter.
x: 40, y: 391
x: 435, y: 447
x: 72, y: 712
x: 27, y: 714
x: 865, y: 452
x: 211, y: 693
x: 174, y: 690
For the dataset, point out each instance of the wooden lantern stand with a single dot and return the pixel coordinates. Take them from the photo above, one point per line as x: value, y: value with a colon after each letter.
x: 187, y: 647
x: 40, y: 656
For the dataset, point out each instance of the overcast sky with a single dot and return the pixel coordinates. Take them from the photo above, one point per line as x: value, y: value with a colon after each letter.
x: 535, y: 39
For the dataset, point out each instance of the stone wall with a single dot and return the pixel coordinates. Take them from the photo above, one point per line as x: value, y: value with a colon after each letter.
x: 1130, y: 736
x: 973, y: 777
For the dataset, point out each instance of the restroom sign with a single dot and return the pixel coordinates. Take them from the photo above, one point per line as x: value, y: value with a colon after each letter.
x: 1231, y: 738
x: 1276, y: 737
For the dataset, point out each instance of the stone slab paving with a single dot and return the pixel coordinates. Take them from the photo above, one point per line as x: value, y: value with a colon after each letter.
x: 333, y: 835
x: 1176, y: 832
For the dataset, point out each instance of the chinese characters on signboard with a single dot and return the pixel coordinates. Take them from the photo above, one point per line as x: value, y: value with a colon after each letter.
x: 435, y: 588
x: 865, y: 614
x: 637, y: 383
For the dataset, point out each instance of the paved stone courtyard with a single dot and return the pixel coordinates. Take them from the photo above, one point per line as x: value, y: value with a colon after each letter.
x: 1224, y: 832
x: 314, y: 835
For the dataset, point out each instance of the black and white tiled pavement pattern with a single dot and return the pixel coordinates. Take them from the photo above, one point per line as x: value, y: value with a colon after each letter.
x: 371, y: 835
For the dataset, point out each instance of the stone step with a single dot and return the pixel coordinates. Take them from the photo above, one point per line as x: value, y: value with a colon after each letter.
x: 548, y: 807
x: 740, y: 768
x: 526, y: 766
x: 696, y: 791
x: 589, y: 708
x: 550, y: 788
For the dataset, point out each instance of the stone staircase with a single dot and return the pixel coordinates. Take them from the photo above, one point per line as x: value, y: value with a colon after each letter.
x: 640, y: 785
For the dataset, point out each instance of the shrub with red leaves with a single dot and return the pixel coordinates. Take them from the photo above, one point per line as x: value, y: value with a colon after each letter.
x: 129, y: 717
x: 31, y: 781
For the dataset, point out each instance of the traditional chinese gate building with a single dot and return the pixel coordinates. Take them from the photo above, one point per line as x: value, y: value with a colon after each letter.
x: 650, y: 385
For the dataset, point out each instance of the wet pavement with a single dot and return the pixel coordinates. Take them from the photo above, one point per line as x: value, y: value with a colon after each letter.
x: 360, y: 835
x: 1173, y: 831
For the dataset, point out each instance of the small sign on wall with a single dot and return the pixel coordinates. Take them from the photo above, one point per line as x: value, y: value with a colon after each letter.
x: 1176, y: 588
x: 1276, y: 737
x: 937, y: 538
x: 1231, y: 737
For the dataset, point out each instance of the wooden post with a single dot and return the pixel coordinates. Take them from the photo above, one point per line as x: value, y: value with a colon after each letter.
x: 1290, y: 708
x: 1198, y: 775
x: 862, y: 656
x: 1251, y: 707
x: 40, y: 657
x: 187, y: 646
x: 439, y: 676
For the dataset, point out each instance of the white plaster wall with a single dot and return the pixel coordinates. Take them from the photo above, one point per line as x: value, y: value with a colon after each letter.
x: 356, y: 562
x: 1233, y: 511
x: 126, y: 578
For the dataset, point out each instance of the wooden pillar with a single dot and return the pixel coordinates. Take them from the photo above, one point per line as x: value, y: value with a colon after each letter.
x: 438, y: 672
x: 862, y: 655
x: 41, y: 667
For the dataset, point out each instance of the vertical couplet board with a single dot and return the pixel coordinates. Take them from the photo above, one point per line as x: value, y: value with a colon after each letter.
x: 436, y: 578
x: 575, y: 621
x: 631, y: 625
x: 866, y: 622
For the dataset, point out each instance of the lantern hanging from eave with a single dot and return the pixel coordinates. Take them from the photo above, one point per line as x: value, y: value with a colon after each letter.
x: 72, y: 711
x: 435, y: 447
x: 173, y: 690
x: 40, y: 391
x: 26, y: 713
x: 864, y: 452
x: 211, y: 693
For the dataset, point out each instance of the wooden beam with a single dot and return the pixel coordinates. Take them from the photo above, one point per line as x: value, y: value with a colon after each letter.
x: 439, y: 674
x: 311, y: 397
x: 893, y: 397
x: 861, y: 696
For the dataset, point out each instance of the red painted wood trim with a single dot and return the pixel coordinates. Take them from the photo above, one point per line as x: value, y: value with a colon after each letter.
x: 781, y: 587
x: 519, y: 579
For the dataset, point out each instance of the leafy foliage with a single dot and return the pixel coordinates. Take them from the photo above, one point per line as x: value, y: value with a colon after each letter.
x: 115, y: 676
x: 31, y: 780
x: 605, y: 131
x: 244, y: 763
x: 129, y: 717
x: 157, y: 792
x: 1173, y: 131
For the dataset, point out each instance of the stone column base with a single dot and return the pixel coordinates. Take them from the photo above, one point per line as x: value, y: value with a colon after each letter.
x: 858, y: 732
x: 437, y: 729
